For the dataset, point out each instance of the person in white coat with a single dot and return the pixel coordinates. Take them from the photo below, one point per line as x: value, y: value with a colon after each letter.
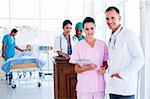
x: 64, y: 43
x: 125, y: 58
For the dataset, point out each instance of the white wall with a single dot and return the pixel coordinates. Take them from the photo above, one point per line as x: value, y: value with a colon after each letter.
x: 145, y: 37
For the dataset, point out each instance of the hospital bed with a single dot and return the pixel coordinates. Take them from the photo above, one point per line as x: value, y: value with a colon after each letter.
x: 22, y: 66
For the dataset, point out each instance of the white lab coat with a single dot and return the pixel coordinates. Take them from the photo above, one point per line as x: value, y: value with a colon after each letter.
x: 126, y: 59
x: 60, y: 43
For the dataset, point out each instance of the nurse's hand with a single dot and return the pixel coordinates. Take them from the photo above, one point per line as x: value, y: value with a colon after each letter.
x: 116, y: 75
x: 81, y: 69
x: 102, y: 70
x: 89, y: 67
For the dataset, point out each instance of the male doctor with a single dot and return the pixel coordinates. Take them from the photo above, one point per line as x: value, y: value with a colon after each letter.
x: 125, y: 58
x: 64, y: 43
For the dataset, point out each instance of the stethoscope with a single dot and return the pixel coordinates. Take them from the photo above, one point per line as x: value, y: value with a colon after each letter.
x: 60, y: 44
x: 73, y: 38
x: 113, y: 46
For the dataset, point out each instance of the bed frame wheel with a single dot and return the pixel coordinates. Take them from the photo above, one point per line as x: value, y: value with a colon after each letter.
x: 39, y: 84
x: 13, y: 86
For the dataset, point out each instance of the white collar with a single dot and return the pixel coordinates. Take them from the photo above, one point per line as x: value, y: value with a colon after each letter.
x: 116, y: 33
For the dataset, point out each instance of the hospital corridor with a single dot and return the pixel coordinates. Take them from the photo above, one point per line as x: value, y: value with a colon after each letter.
x: 74, y: 49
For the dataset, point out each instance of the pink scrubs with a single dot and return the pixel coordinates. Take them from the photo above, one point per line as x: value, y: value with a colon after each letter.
x: 90, y: 81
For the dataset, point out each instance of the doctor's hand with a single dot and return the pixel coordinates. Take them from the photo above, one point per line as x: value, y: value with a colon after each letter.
x: 65, y: 55
x: 116, y: 75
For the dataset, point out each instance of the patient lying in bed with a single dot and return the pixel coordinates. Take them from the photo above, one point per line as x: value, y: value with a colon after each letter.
x: 22, y: 58
x: 28, y: 52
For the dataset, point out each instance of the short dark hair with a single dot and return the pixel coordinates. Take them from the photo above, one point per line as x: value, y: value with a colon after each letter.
x: 66, y: 22
x: 14, y: 31
x: 112, y: 8
x: 88, y: 19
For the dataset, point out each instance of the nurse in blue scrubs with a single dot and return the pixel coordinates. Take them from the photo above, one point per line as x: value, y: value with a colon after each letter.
x: 79, y: 31
x: 9, y: 46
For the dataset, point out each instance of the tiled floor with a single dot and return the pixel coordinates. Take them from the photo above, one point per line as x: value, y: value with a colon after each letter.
x: 27, y: 90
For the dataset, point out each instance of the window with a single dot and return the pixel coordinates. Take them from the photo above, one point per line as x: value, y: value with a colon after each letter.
x: 46, y: 16
x: 24, y: 9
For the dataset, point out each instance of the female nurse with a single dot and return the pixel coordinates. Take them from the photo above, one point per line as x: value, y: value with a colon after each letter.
x: 90, y: 75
